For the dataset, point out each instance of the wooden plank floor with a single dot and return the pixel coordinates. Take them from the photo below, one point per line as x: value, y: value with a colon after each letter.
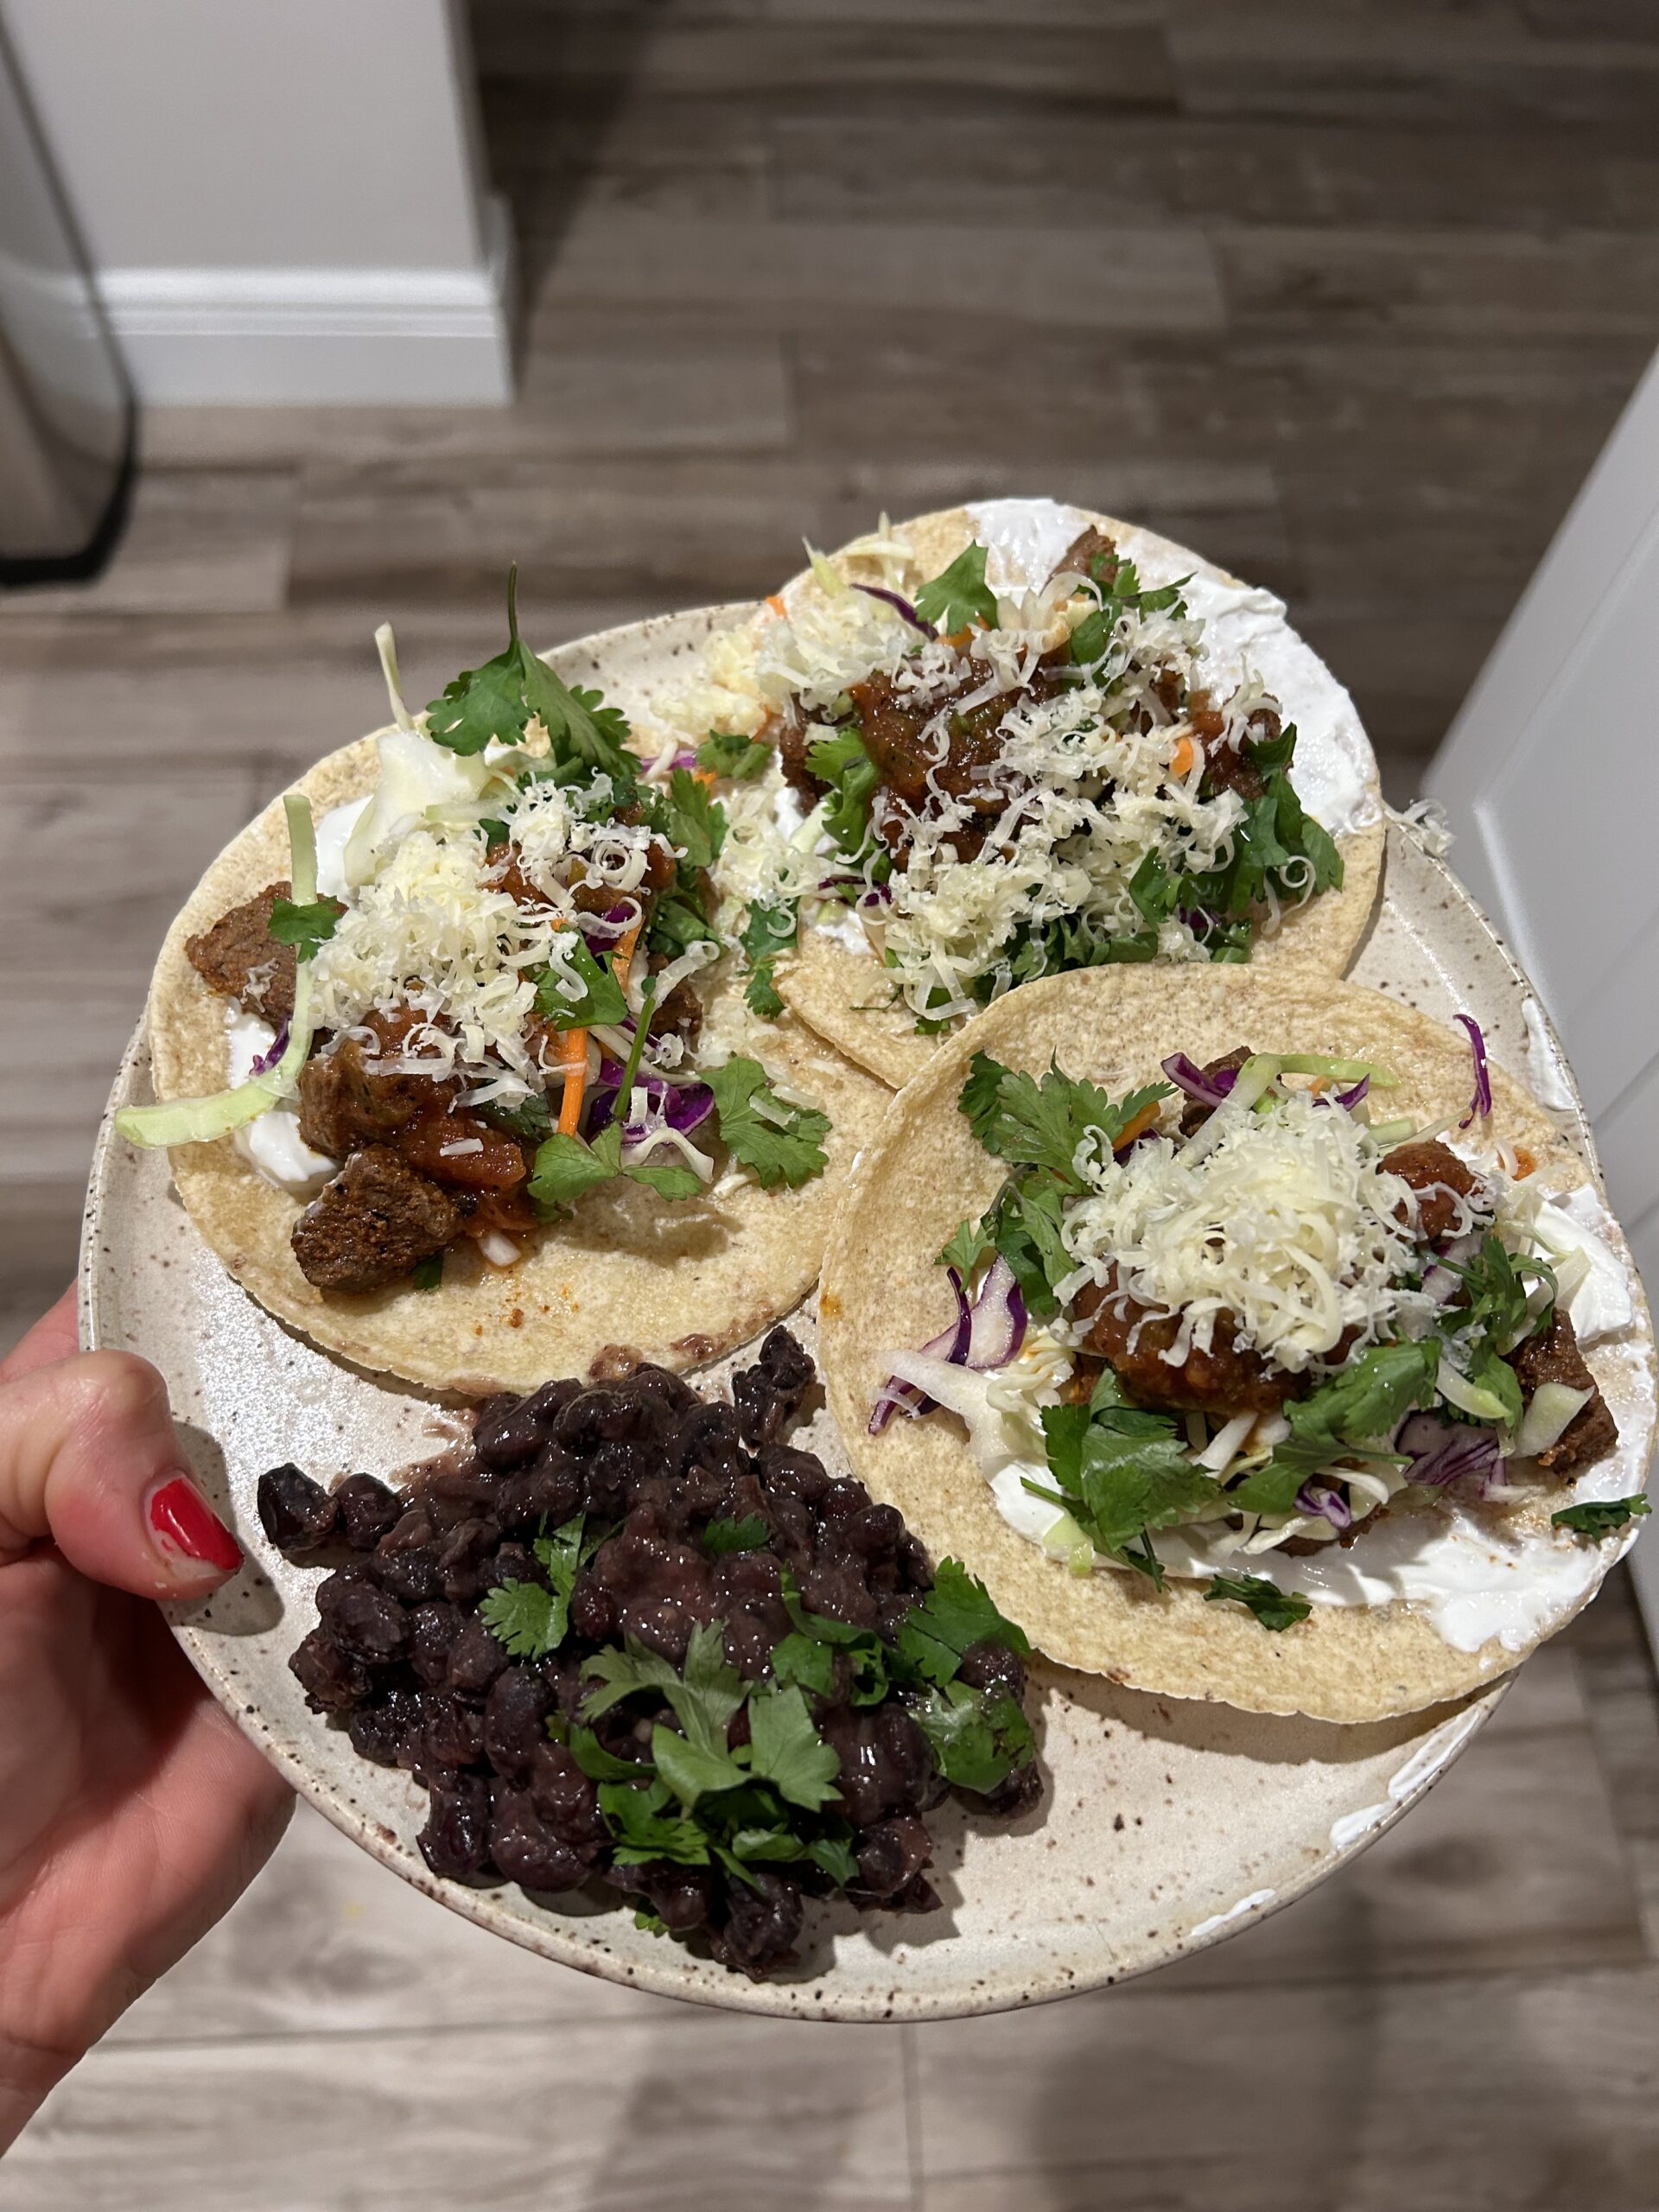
x: 1348, y: 296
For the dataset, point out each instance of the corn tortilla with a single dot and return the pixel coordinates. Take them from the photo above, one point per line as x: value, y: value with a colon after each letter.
x: 925, y: 1172
x: 845, y: 994
x: 629, y: 1276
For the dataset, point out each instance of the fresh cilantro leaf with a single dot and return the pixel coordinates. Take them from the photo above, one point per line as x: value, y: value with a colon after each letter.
x: 598, y: 1764
x: 670, y: 1181
x: 842, y: 762
x: 835, y: 1855
x: 602, y: 998
x: 502, y: 698
x: 767, y: 931
x: 1272, y: 1606
x: 703, y: 1698
x: 1123, y: 1473
x: 693, y: 1770
x: 1495, y: 1295
x: 959, y: 595
x: 782, y: 1144
x: 644, y: 1832
x: 1040, y: 1124
x: 976, y: 1740
x: 1487, y: 1372
x: 528, y: 1620
x: 785, y: 1750
x: 695, y: 822
x: 428, y: 1274
x: 778, y: 1844
x: 1025, y: 1226
x: 567, y: 1551
x: 870, y: 1655
x: 957, y: 1612
x: 745, y: 1536
x: 723, y: 752
x: 652, y: 1923
x: 675, y: 925
x: 1271, y: 1488
x: 531, y: 1119
x: 966, y: 1249
x: 1156, y: 892
x: 799, y: 1658
x: 1600, y: 1517
x: 1368, y: 1398
x: 492, y: 832
x: 567, y: 1165
x: 305, y: 927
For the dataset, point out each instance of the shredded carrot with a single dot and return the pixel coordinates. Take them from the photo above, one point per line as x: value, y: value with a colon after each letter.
x: 573, y: 1064
x: 1142, y: 1121
x: 1320, y: 1083
x: 1187, y: 751
x: 704, y: 776
x: 623, y: 959
x: 774, y: 600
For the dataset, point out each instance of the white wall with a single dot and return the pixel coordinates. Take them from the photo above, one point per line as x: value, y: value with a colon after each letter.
x: 281, y: 198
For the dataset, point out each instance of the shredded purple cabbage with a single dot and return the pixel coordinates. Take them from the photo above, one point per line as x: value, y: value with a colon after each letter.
x: 899, y: 606
x: 1481, y: 1103
x: 1329, y: 1504
x: 268, y: 1060
x: 1208, y: 1090
x: 684, y: 1107
x: 1443, y: 1452
x: 986, y: 1333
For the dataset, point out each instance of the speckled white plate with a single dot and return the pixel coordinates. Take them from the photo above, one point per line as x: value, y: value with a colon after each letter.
x: 1165, y: 1825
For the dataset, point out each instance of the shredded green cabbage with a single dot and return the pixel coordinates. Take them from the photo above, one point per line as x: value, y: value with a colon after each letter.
x: 198, y: 1120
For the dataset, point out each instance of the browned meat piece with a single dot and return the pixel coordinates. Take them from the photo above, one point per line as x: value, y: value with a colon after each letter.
x: 345, y: 1101
x: 1554, y: 1356
x: 497, y: 1163
x: 892, y: 727
x: 680, y: 1014
x: 376, y: 1221
x: 239, y: 958
x: 1440, y: 1178
x: 1195, y: 1113
x: 791, y: 741
x: 1083, y: 552
x: 1222, y: 1380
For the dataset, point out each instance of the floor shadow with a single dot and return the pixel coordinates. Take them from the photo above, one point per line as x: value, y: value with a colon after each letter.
x: 552, y: 76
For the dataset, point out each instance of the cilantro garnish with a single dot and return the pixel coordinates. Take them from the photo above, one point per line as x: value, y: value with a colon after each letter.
x: 602, y: 997
x: 428, y: 1274
x: 693, y: 820
x: 959, y: 595
x: 1275, y: 1608
x: 723, y: 752
x: 566, y: 1165
x: 957, y: 1613
x: 675, y: 925
x: 1601, y: 1516
x: 767, y: 931
x: 531, y: 1620
x: 531, y: 1119
x: 976, y: 1738
x: 745, y: 1536
x: 305, y: 927
x: 1121, y: 1473
x: 501, y: 699
x: 777, y: 1143
x: 842, y: 762
x: 785, y: 1750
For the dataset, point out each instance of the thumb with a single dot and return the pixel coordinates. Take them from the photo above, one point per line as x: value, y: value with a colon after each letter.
x: 89, y: 1458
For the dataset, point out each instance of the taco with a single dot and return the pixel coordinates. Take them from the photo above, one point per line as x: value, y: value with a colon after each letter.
x: 1240, y: 1353
x: 455, y: 1076
x: 1014, y: 740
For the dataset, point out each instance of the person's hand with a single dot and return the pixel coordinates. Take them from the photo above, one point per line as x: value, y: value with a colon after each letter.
x: 132, y: 1812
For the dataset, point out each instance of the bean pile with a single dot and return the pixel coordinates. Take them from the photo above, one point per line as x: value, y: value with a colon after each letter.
x: 674, y: 1513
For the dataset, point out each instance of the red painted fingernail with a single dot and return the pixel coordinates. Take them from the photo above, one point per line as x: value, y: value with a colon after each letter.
x: 182, y: 1521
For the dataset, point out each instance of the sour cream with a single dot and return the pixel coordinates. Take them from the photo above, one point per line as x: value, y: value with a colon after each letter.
x: 271, y: 1145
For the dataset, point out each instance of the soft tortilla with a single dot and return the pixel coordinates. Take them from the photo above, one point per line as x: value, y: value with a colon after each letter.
x: 846, y: 995
x: 881, y: 1288
x: 629, y: 1277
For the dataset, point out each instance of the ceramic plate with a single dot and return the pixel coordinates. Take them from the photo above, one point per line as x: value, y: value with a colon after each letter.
x: 1165, y: 1825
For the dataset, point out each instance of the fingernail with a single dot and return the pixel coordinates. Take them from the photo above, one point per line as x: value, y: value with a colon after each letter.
x: 183, y: 1523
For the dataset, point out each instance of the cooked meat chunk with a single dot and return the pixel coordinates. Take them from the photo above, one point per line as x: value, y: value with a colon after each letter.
x: 462, y: 1150
x: 1222, y: 1380
x: 902, y: 737
x: 1080, y: 556
x: 347, y: 1099
x: 371, y: 1225
x: 1553, y: 1356
x: 791, y: 740
x: 239, y: 958
x: 1440, y: 1178
x: 1195, y: 1113
x: 680, y: 1014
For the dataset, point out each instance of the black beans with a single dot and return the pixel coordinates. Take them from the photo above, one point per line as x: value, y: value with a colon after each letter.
x: 297, y: 1515
x: 405, y: 1656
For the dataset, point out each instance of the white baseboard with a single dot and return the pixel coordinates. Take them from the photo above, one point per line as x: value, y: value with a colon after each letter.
x: 319, y: 337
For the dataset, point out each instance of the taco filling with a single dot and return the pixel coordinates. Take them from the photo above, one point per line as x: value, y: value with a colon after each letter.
x: 1231, y: 1323
x: 475, y: 997
x: 980, y: 787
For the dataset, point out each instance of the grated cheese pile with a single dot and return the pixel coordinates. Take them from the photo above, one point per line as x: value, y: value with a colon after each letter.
x: 1288, y: 1222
